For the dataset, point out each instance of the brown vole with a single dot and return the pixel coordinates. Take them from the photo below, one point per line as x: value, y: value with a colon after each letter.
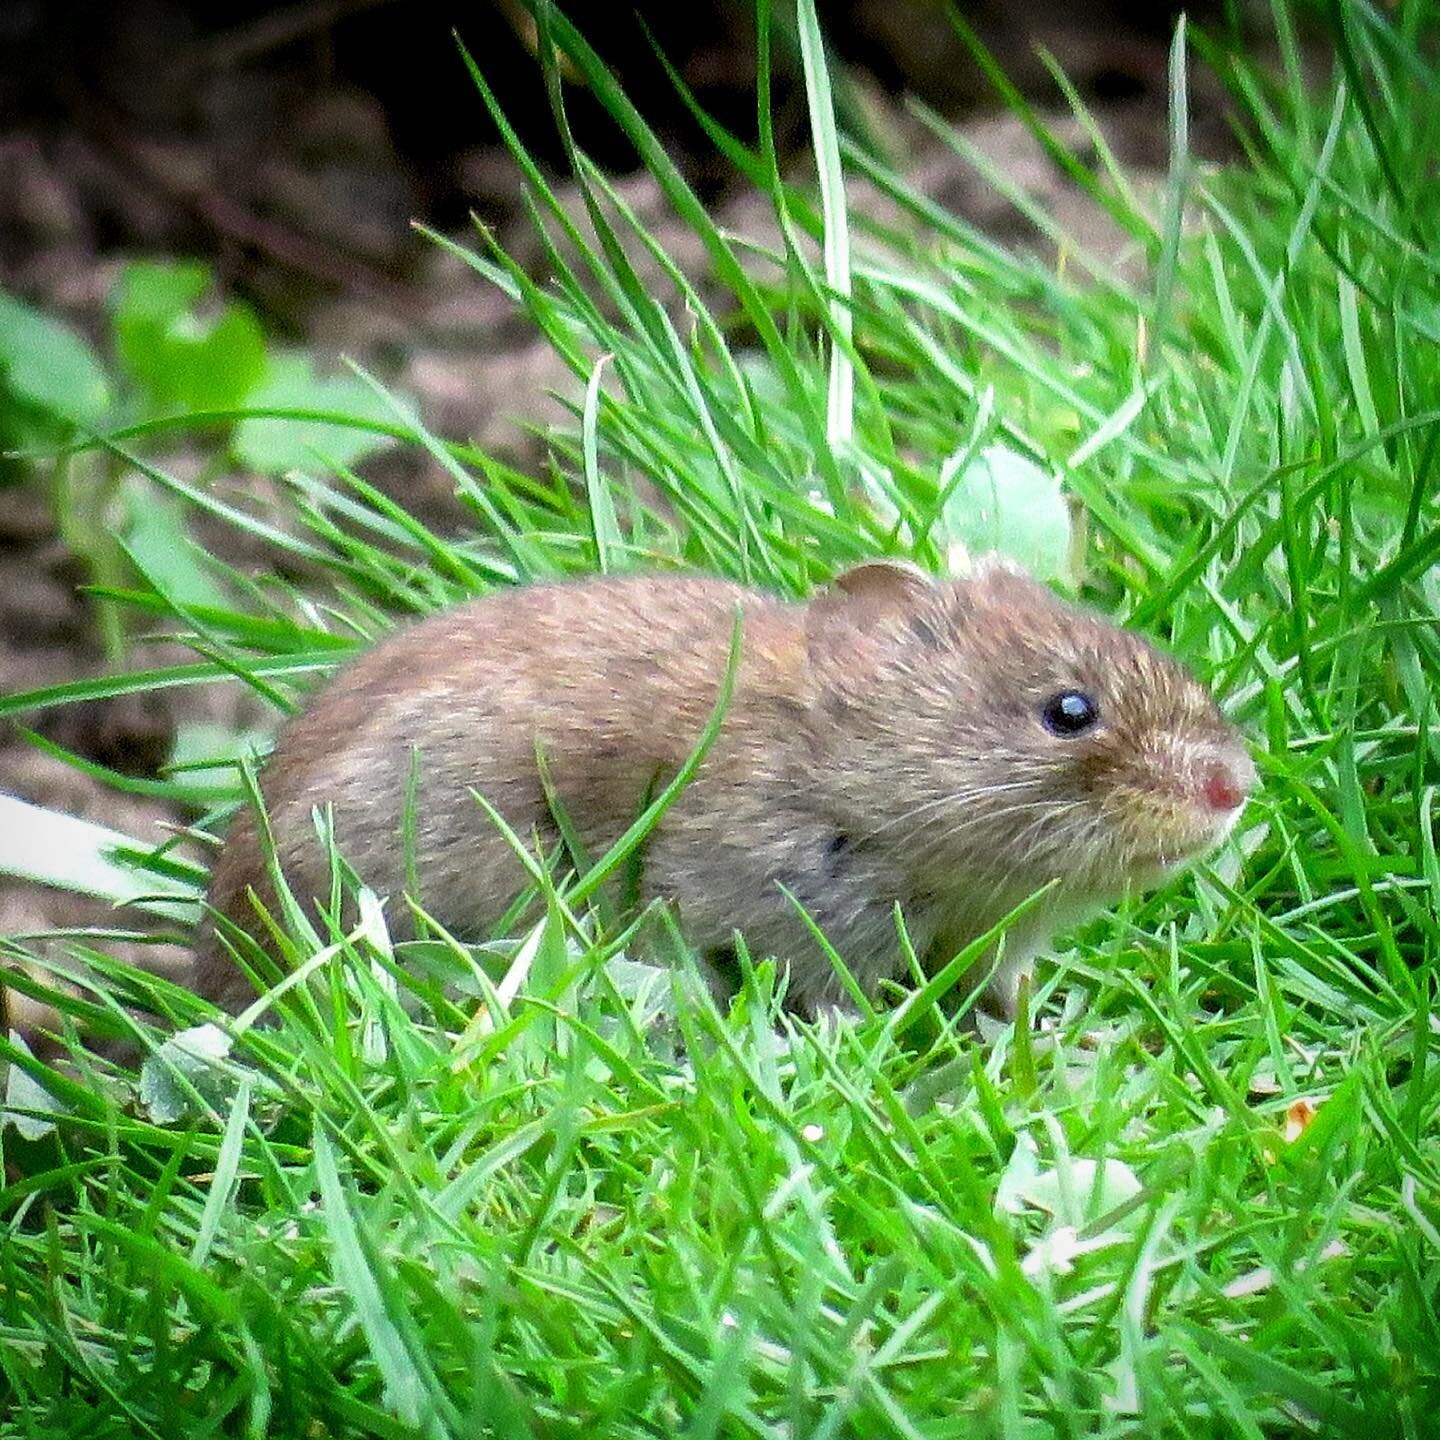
x: 952, y: 747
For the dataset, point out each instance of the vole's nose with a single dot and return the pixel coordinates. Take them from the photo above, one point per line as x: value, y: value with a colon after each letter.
x: 1222, y: 787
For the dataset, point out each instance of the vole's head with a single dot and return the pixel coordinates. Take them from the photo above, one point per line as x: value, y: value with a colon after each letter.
x: 985, y: 727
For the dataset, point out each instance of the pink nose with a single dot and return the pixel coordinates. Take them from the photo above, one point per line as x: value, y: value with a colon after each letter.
x: 1221, y: 787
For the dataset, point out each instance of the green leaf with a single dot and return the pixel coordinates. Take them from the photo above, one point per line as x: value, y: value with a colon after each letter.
x: 1076, y: 1191
x: 180, y: 357
x: 206, y: 755
x: 28, y: 1104
x: 193, y: 1063
x: 72, y: 854
x: 1006, y: 503
x: 46, y: 364
x: 161, y: 549
x: 151, y: 293
x: 290, y: 382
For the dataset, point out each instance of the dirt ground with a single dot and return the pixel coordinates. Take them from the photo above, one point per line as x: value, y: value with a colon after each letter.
x: 284, y: 162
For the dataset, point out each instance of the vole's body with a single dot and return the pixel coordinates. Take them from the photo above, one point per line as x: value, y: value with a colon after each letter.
x: 882, y: 745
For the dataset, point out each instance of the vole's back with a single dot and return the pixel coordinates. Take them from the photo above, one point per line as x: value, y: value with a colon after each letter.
x: 948, y: 749
x: 613, y: 680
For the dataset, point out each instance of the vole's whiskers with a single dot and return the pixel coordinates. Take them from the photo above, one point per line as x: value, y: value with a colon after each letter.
x: 966, y: 822
x: 952, y: 797
x: 993, y: 819
x: 1070, y: 837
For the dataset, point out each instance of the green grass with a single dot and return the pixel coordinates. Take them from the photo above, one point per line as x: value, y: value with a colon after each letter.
x: 586, y: 1201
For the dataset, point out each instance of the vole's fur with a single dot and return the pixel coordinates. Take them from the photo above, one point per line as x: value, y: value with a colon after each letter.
x: 884, y: 744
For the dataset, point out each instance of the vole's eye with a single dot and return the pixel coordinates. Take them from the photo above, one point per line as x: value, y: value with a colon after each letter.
x: 1069, y: 713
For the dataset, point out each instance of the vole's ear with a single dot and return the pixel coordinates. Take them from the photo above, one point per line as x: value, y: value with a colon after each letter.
x: 869, y: 593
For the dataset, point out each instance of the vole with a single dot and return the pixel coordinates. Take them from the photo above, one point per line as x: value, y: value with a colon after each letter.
x: 950, y: 746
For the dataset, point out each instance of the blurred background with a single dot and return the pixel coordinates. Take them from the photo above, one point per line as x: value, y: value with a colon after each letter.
x: 293, y: 144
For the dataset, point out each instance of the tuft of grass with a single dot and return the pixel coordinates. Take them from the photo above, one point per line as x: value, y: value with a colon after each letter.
x: 1198, y: 1195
